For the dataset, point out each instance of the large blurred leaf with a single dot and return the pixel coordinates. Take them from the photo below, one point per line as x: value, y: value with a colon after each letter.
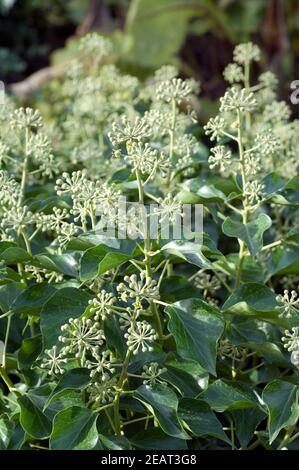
x: 169, y: 21
x: 32, y: 299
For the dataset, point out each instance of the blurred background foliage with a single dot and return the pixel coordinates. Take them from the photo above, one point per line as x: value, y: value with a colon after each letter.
x: 196, y: 35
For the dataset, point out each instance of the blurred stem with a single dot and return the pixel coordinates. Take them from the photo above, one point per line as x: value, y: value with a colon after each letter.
x: 247, y: 86
x: 171, y: 139
x: 25, y: 167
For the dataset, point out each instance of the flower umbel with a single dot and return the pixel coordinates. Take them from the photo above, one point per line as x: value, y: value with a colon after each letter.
x: 81, y: 335
x: 54, y: 361
x: 289, y: 302
x: 139, y: 336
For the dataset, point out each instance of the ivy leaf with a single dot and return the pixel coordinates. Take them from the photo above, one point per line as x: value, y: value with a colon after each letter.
x: 33, y: 420
x: 74, y: 379
x: 162, y: 402
x: 156, y: 439
x: 293, y: 235
x: 65, y: 263
x: 281, y: 399
x: 224, y: 395
x: 196, y: 327
x: 115, y: 442
x: 251, y: 233
x: 29, y: 351
x: 64, y: 304
x: 8, y: 293
x: 188, y: 251
x: 246, y: 421
x: 32, y: 299
x: 258, y: 296
x: 188, y: 377
x: 200, y: 419
x: 100, y: 259
x: 177, y: 288
x: 273, y: 183
x: 74, y: 429
x: 283, y: 260
x: 15, y: 255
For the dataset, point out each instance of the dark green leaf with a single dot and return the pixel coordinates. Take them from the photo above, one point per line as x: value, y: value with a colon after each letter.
x: 224, y: 395
x: 74, y: 429
x: 200, y: 419
x: 64, y: 304
x: 29, y: 351
x: 73, y: 379
x: 281, y: 399
x: 251, y: 233
x: 99, y: 259
x: 196, y: 327
x: 33, y: 420
x: 162, y: 403
x: 156, y: 439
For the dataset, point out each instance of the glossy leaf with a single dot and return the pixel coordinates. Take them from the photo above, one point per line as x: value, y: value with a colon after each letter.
x: 162, y: 403
x: 64, y: 304
x: 251, y: 233
x: 74, y: 429
x: 199, y: 418
x: 33, y: 420
x: 281, y: 399
x: 196, y: 327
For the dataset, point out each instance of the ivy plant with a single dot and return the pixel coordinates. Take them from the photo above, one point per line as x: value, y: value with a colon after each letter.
x: 138, y: 342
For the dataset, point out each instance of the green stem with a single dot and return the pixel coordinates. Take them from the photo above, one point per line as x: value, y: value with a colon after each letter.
x: 6, y: 341
x: 286, y: 438
x: 6, y: 379
x: 157, y: 319
x: 92, y: 217
x: 245, y: 204
x: 27, y: 242
x: 122, y: 379
x: 137, y: 420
